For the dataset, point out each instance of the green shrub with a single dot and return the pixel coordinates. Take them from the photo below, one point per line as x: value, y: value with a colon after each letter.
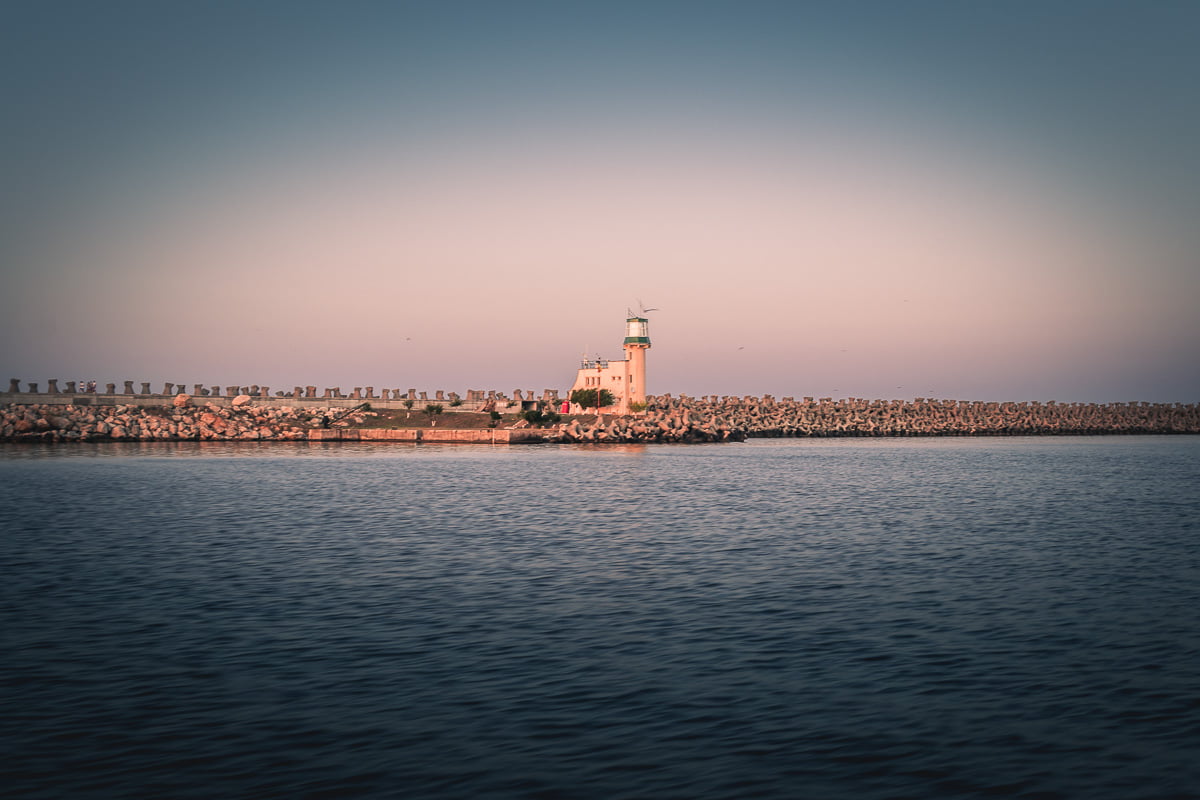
x: 587, y: 397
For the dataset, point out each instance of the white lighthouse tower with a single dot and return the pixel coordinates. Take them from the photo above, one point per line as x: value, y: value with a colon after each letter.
x: 625, y: 380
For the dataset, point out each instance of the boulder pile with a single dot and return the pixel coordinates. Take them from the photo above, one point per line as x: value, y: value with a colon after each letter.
x: 667, y: 425
x: 667, y: 419
x: 180, y: 421
x: 766, y: 416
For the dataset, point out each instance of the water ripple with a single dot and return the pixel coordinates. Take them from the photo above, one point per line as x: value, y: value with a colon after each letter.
x: 866, y: 619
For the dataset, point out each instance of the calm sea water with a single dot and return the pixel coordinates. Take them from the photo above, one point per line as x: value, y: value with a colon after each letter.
x: 780, y: 618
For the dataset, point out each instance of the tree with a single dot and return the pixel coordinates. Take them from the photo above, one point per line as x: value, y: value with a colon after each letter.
x: 433, y: 409
x: 587, y: 398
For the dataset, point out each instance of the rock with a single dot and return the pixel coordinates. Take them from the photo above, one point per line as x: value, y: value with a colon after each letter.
x: 182, y: 400
x: 241, y: 400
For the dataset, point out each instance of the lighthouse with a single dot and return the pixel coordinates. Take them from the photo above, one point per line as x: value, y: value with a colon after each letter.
x: 637, y: 342
x: 625, y: 380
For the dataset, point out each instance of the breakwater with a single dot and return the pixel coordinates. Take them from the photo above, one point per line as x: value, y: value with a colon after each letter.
x: 713, y: 419
x: 766, y: 416
x: 243, y: 421
x: 182, y: 421
x: 667, y: 419
x: 246, y: 420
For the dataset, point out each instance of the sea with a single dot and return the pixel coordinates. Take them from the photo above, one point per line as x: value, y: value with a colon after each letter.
x: 781, y: 618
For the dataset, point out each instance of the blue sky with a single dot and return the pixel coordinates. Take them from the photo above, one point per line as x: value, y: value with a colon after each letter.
x: 962, y: 200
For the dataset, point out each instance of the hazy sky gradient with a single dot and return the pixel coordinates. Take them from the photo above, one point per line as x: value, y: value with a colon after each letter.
x: 870, y: 199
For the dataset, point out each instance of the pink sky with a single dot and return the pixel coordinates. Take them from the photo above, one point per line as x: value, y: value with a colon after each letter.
x: 877, y: 238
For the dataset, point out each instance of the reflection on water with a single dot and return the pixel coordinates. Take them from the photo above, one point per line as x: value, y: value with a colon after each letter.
x: 849, y: 618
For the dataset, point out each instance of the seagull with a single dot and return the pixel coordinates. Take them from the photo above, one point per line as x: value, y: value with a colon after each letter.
x: 643, y: 307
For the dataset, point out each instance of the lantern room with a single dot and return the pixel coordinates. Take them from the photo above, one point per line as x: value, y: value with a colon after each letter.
x: 637, y: 331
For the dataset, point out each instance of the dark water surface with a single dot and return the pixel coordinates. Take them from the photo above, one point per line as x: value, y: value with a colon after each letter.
x: 781, y: 618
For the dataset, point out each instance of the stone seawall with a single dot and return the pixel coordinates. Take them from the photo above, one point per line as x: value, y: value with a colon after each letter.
x: 246, y: 420
x: 668, y: 419
x: 72, y: 423
x: 766, y: 416
x: 210, y: 422
x: 428, y: 435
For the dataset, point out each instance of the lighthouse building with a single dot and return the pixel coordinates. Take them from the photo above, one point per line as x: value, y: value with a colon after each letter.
x: 625, y: 380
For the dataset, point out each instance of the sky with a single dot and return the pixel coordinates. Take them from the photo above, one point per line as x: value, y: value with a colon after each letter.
x: 973, y: 201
